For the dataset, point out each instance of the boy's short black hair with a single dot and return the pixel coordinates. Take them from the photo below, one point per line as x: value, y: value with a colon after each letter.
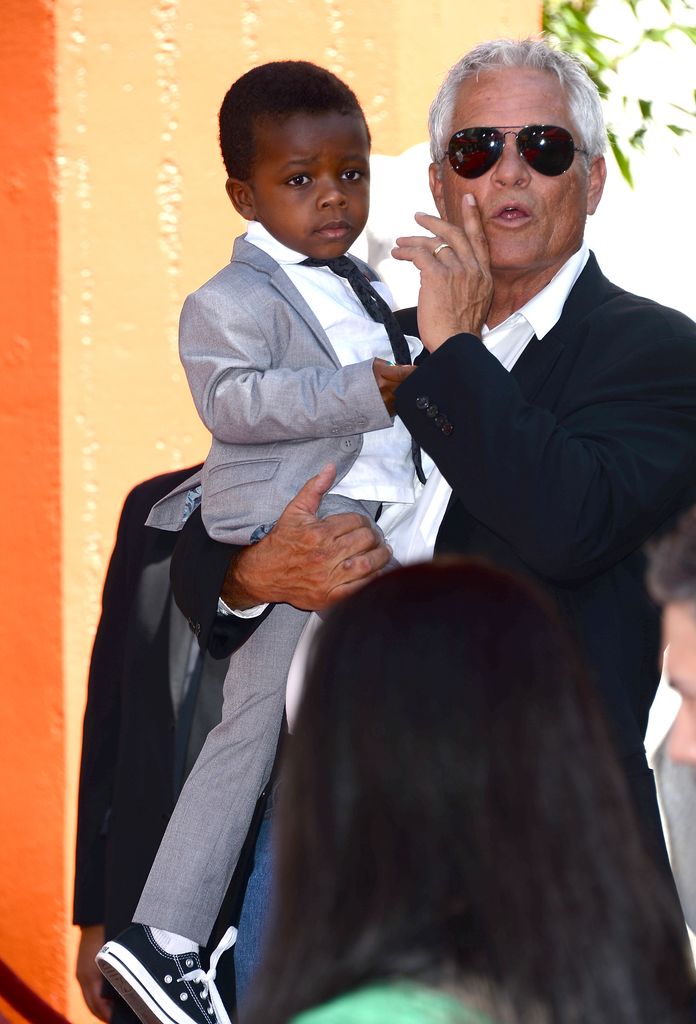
x: 273, y: 92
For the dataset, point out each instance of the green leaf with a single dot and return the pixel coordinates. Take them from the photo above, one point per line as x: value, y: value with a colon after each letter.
x: 688, y: 30
x: 567, y: 24
x: 598, y: 58
x: 657, y: 35
x: 636, y: 140
x: 683, y: 110
x: 621, y: 159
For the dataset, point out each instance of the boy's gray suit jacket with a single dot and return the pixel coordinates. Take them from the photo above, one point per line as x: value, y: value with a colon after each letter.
x: 269, y: 386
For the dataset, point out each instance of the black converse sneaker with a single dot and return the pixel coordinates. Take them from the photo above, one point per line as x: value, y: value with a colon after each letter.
x: 161, y: 987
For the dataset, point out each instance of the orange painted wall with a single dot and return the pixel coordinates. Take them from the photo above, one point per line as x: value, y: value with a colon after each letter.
x: 112, y: 208
x: 32, y: 745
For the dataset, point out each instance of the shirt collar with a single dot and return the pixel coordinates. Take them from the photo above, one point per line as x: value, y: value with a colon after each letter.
x: 257, y: 234
x: 543, y: 311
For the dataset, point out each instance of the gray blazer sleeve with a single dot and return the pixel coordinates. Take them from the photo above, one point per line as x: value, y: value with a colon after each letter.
x: 232, y: 348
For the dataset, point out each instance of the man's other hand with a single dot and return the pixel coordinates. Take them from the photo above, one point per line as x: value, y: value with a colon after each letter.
x: 88, y: 974
x: 306, y: 561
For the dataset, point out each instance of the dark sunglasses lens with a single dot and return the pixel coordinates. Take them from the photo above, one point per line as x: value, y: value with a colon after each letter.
x: 473, y: 151
x: 547, y: 149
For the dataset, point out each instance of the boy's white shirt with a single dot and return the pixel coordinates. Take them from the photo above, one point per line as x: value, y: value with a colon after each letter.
x: 383, y: 471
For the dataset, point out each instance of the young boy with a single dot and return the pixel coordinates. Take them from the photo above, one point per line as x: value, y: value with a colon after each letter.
x: 283, y: 360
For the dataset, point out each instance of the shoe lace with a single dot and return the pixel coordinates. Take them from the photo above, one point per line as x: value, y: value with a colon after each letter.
x: 206, y: 979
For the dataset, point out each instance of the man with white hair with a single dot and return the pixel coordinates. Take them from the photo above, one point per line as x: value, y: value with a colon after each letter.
x: 559, y: 409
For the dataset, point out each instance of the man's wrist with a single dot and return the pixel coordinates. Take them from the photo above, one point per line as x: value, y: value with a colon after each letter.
x: 237, y: 589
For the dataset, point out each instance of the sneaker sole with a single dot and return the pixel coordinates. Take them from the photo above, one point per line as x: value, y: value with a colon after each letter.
x: 125, y: 973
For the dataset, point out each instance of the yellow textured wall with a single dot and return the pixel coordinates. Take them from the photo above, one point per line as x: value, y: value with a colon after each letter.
x: 137, y: 188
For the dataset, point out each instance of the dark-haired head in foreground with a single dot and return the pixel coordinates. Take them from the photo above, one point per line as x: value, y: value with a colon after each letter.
x: 451, y: 812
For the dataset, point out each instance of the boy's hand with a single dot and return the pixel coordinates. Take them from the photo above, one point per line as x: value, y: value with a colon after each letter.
x: 388, y: 377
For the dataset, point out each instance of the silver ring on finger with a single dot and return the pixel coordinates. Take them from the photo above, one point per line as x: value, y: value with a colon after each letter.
x: 440, y: 247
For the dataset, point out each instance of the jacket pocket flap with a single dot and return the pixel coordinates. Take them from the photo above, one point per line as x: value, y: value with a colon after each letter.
x: 220, y: 478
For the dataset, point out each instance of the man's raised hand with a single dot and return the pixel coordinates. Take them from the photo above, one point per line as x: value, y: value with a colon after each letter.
x: 456, y: 283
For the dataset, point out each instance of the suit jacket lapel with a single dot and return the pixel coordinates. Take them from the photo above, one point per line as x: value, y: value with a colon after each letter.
x: 533, y: 367
x: 245, y: 252
x: 153, y: 596
x: 536, y: 362
x: 539, y: 358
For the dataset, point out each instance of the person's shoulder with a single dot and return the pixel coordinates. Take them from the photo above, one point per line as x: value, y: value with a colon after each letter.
x: 147, y: 492
x: 249, y: 270
x: 623, y: 306
x: 621, y: 309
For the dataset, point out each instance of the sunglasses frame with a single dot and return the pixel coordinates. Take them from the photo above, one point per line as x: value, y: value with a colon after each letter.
x: 495, y: 146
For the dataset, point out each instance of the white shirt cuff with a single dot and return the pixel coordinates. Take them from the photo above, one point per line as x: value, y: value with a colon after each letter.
x: 241, y: 613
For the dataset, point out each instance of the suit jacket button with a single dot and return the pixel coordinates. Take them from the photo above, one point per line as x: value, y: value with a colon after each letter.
x: 422, y: 402
x: 348, y: 444
x: 446, y: 429
x: 432, y: 410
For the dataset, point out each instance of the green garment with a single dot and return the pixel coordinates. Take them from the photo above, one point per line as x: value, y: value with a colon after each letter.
x: 392, y: 1003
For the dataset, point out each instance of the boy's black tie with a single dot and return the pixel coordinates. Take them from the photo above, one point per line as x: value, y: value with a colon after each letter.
x: 379, y: 310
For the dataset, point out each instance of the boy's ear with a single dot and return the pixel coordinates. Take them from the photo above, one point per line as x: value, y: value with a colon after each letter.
x: 242, y: 197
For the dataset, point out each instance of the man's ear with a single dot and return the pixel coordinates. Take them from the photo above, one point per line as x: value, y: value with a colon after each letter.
x: 242, y: 197
x: 595, y: 185
x: 434, y: 173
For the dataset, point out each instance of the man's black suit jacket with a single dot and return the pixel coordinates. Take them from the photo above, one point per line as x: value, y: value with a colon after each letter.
x: 127, y: 782
x: 561, y: 470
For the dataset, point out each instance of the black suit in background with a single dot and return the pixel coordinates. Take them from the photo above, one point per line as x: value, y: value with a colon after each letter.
x: 142, y: 731
x: 561, y: 470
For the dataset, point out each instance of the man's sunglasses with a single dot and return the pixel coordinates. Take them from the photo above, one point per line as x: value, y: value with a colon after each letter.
x: 547, y: 149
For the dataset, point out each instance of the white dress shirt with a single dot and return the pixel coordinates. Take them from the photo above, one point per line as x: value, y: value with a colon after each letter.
x: 412, y: 530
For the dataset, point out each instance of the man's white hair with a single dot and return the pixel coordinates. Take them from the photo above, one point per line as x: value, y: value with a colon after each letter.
x: 583, y: 98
